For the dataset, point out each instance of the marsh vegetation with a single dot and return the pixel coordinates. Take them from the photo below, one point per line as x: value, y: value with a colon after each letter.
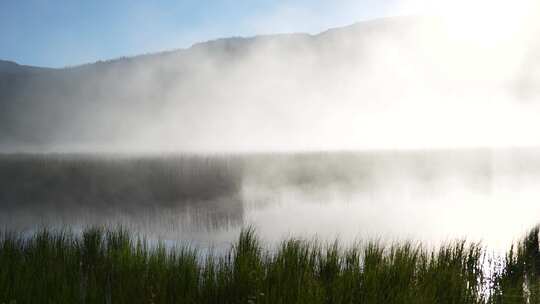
x: 112, y: 266
x: 123, y: 229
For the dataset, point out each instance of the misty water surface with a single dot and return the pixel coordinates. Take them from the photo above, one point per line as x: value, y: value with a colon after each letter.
x: 482, y: 195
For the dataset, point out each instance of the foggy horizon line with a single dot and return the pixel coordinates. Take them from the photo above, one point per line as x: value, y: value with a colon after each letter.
x: 127, y: 152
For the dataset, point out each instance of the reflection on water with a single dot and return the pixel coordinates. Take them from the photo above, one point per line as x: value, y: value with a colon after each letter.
x: 177, y: 198
x: 204, y: 225
x: 495, y: 217
x: 433, y: 196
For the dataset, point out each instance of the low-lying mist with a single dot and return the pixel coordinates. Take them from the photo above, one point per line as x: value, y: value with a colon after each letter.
x: 478, y: 194
x: 397, y: 83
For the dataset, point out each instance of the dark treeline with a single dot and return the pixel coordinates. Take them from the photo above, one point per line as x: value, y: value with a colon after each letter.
x: 112, y: 180
x: 44, y: 189
x: 65, y: 180
x: 110, y: 266
x: 71, y: 184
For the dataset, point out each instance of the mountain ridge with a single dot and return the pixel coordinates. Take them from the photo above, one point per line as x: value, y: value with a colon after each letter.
x: 267, y: 93
x: 4, y: 62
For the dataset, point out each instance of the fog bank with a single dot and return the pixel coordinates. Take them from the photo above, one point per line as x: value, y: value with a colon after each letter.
x: 448, y: 80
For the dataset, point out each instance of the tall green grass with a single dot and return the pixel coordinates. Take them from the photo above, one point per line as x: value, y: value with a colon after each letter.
x: 112, y: 266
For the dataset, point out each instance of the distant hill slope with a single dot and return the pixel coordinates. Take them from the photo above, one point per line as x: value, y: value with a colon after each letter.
x: 265, y: 92
x: 12, y: 68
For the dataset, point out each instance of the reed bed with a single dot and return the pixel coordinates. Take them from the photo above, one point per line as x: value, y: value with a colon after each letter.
x: 67, y: 180
x: 112, y: 266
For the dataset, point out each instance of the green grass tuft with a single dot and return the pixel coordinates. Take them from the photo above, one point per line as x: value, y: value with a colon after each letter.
x: 112, y: 266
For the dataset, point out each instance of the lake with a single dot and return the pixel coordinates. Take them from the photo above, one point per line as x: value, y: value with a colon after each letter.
x: 486, y: 195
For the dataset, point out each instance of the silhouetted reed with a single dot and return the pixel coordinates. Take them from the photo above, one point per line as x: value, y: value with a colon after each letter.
x: 112, y: 266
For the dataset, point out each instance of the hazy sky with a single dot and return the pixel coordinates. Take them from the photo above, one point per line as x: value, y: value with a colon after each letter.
x: 58, y: 33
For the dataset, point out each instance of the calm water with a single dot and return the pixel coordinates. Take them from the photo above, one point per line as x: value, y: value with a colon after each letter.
x: 433, y: 196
